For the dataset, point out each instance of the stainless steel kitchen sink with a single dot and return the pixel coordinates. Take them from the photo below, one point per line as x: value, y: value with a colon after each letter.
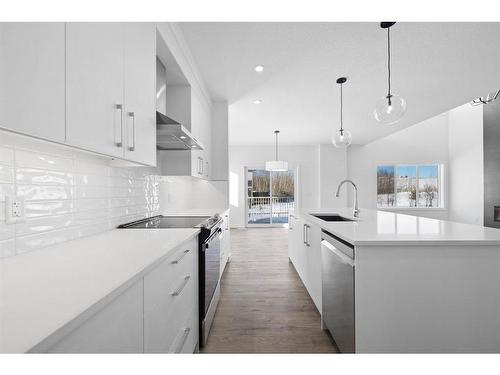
x: 331, y: 217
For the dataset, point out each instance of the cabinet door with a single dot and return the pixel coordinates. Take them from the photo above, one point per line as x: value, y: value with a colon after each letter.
x: 32, y: 81
x: 225, y: 247
x: 117, y: 328
x: 94, y: 87
x: 201, y: 119
x: 314, y: 264
x: 140, y: 92
x: 292, y: 238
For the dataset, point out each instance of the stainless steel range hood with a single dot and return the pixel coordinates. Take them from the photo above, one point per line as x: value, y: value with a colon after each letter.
x: 171, y: 135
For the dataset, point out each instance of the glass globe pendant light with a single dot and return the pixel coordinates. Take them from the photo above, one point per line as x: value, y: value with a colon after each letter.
x: 276, y: 165
x: 342, y: 138
x: 391, y: 108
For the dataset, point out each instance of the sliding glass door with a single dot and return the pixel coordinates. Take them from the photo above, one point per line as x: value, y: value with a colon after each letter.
x: 270, y: 195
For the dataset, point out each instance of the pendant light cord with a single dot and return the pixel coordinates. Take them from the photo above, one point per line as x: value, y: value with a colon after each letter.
x: 341, y: 114
x: 276, y: 151
x: 389, y: 63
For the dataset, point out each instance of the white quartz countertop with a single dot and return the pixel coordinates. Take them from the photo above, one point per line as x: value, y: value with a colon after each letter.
x: 390, y: 228
x: 43, y: 290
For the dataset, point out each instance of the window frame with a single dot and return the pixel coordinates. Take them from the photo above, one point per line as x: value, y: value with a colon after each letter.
x: 441, y: 189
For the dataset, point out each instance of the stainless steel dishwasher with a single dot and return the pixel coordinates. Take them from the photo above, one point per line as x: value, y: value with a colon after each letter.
x: 337, y: 276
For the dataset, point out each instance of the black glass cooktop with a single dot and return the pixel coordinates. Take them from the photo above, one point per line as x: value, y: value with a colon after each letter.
x: 158, y: 222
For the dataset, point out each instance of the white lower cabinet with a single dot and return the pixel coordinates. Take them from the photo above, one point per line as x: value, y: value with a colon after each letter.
x: 304, y: 251
x: 225, y: 246
x: 157, y: 314
x: 170, y: 295
x: 116, y: 328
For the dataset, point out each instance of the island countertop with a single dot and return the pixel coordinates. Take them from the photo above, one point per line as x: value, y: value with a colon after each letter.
x: 375, y: 227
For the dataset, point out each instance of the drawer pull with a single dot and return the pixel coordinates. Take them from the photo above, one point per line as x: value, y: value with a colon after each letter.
x: 184, y: 253
x: 181, y: 288
x: 185, y: 335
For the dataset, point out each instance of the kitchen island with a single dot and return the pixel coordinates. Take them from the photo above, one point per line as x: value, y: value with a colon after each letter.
x: 420, y: 285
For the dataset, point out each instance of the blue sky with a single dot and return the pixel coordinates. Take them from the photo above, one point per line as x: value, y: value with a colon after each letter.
x: 428, y: 171
x: 406, y: 171
x: 424, y: 171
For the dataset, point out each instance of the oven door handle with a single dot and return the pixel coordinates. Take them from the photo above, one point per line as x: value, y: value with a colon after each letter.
x: 218, y: 233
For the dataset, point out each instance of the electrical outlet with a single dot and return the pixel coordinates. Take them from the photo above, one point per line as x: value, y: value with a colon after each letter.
x: 14, y: 210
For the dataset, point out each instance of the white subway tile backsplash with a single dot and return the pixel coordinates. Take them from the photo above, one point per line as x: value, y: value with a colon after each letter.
x: 43, y: 177
x: 91, y: 179
x: 33, y: 159
x: 6, y: 189
x: 6, y: 155
x: 6, y: 174
x: 6, y: 231
x: 68, y: 193
x: 48, y: 208
x: 40, y: 192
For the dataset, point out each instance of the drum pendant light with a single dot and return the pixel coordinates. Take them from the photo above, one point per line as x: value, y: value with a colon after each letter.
x: 276, y: 165
x: 391, y: 108
x: 342, y: 138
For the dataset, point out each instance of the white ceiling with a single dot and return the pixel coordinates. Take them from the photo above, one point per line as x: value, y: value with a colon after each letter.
x: 436, y: 67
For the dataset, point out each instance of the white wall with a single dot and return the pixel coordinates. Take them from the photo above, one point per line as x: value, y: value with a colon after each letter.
x: 305, y: 158
x: 333, y: 169
x: 320, y: 168
x: 426, y: 142
x: 454, y: 139
x: 465, y: 166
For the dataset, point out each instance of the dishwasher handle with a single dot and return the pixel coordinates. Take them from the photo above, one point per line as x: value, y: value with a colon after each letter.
x: 345, y: 259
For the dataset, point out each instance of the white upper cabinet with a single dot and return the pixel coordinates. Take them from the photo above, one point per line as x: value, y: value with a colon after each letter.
x: 201, y: 125
x: 94, y: 90
x: 32, y: 79
x: 110, y: 89
x: 140, y: 94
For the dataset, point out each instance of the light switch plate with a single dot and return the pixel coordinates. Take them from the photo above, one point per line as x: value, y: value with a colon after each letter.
x: 14, y: 209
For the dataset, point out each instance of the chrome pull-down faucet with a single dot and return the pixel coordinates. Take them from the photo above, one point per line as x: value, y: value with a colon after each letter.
x: 355, y: 211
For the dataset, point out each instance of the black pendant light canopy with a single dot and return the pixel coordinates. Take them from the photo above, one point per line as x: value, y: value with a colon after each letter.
x: 390, y: 108
x: 342, y: 138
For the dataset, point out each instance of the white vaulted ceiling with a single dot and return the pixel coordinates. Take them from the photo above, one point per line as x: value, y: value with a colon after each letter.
x: 435, y: 67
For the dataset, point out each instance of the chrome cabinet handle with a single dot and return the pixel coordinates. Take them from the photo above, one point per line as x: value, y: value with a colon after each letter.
x: 120, y: 142
x: 290, y: 227
x: 308, y: 227
x: 179, y: 290
x: 184, y: 253
x: 132, y: 115
x: 304, y: 234
x: 185, y: 335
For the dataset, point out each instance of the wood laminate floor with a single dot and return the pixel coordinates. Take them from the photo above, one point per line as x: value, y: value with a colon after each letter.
x: 264, y: 307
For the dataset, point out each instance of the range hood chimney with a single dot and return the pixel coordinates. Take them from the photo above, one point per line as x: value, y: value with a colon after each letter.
x: 170, y: 134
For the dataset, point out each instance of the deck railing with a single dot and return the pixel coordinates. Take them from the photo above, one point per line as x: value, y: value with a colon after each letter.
x: 269, y: 210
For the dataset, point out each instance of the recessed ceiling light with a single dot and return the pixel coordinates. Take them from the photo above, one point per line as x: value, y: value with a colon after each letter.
x: 182, y: 137
x: 258, y: 101
x: 259, y: 68
x: 193, y: 146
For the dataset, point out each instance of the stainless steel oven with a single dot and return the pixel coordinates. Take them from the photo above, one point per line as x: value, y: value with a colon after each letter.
x: 209, y: 258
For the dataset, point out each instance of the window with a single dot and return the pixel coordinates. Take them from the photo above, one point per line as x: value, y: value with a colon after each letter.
x: 409, y: 186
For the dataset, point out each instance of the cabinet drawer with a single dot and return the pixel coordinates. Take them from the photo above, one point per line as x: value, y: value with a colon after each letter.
x: 186, y: 339
x: 169, y: 293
